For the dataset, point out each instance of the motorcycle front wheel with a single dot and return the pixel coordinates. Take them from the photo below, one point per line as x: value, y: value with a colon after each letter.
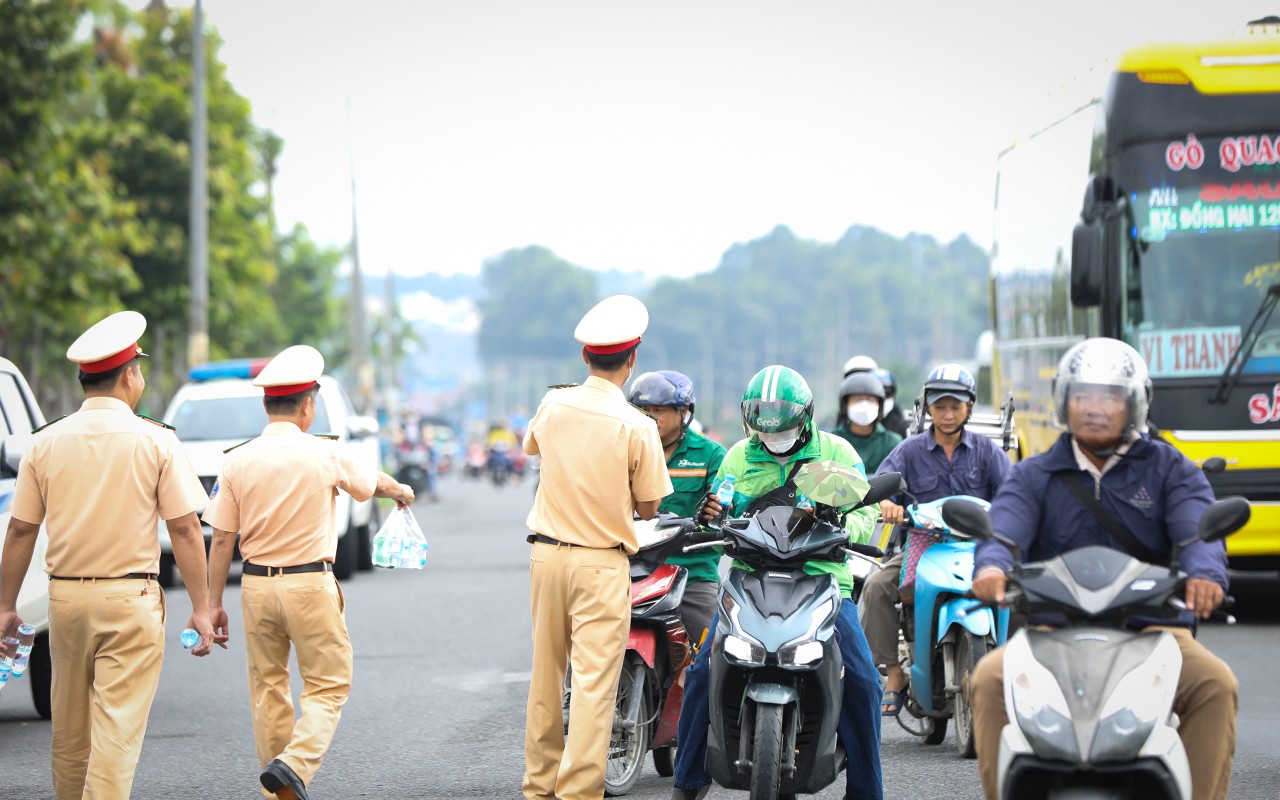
x: 627, y: 745
x: 969, y: 649
x: 766, y: 753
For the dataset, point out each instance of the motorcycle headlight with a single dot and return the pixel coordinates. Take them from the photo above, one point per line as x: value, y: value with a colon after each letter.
x: 1140, y: 699
x: 806, y: 649
x: 742, y: 650
x: 1042, y: 713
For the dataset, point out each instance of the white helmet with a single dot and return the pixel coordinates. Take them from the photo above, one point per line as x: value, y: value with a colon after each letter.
x: 1104, y: 362
x: 859, y: 364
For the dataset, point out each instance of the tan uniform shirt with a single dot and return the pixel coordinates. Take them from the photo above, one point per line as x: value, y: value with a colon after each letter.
x: 278, y: 492
x: 101, y: 480
x: 599, y: 454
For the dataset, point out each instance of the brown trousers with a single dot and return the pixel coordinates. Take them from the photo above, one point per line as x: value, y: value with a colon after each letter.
x: 1206, y: 702
x: 106, y: 641
x: 305, y: 610
x: 878, y: 614
x: 580, y: 599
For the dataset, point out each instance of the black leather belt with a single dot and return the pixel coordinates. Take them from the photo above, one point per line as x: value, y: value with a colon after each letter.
x: 132, y: 576
x: 538, y: 538
x: 269, y: 572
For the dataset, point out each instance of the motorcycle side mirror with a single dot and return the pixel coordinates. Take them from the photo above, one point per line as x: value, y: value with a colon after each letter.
x: 1224, y: 518
x: 1214, y: 465
x: 882, y: 487
x: 974, y: 520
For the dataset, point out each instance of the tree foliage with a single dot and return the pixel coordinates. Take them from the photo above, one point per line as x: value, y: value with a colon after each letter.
x: 95, y: 164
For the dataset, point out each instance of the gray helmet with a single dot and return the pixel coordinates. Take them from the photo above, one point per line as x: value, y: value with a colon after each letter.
x: 860, y: 383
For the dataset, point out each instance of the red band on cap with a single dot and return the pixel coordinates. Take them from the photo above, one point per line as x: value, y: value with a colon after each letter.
x: 610, y: 349
x: 288, y: 388
x: 111, y: 362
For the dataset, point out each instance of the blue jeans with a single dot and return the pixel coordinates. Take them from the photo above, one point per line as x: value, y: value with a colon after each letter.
x: 858, y: 726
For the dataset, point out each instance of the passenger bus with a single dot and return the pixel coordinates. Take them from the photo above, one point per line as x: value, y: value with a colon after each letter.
x: 1175, y: 249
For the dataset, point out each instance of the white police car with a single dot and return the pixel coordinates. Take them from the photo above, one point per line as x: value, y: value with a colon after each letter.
x: 220, y: 408
x: 19, y: 415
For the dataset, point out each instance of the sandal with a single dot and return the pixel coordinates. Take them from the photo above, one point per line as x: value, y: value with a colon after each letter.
x: 893, y: 700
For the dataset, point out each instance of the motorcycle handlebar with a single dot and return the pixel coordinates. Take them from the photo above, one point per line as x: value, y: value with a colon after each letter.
x: 868, y: 550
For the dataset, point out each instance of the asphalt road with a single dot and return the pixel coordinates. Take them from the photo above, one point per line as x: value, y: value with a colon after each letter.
x: 442, y: 665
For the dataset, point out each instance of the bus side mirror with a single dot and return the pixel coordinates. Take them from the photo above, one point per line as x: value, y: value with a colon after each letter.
x: 1088, y: 254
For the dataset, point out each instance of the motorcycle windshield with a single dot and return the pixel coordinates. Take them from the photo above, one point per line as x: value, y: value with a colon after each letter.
x: 786, y: 535
x: 1096, y: 582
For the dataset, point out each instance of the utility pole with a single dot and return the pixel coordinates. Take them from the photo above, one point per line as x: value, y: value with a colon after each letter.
x: 390, y: 384
x: 198, y: 244
x: 360, y: 368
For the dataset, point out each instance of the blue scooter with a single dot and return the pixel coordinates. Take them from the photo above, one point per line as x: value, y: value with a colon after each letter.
x: 945, y: 633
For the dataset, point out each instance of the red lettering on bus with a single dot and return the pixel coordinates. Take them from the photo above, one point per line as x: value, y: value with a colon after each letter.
x: 1263, y: 409
x: 1266, y: 153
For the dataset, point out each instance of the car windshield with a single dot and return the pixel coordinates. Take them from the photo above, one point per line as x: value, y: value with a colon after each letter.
x: 231, y: 418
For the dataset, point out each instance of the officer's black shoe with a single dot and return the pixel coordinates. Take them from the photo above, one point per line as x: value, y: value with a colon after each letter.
x: 690, y: 794
x: 283, y: 782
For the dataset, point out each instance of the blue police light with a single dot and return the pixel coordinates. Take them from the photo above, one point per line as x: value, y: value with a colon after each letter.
x: 237, y: 368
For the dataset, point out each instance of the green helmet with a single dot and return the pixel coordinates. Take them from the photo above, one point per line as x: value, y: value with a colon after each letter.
x: 776, y: 408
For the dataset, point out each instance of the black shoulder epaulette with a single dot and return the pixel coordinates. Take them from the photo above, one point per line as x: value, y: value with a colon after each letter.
x: 562, y: 386
x: 234, y: 446
x: 333, y: 437
x: 50, y: 422
x: 642, y: 411
x: 156, y: 421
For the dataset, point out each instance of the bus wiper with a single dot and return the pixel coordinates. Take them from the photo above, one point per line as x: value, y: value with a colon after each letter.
x: 1231, y: 375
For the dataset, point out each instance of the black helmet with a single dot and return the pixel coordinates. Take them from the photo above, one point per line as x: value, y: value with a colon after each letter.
x: 950, y: 380
x: 663, y: 388
x: 859, y: 383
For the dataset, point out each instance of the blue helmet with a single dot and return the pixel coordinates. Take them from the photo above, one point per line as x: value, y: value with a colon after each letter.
x: 950, y: 380
x: 886, y: 378
x: 663, y: 388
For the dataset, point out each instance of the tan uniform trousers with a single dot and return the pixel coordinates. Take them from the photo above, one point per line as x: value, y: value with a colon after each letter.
x: 305, y: 609
x: 580, y: 600
x: 106, y: 641
x: 1206, y: 702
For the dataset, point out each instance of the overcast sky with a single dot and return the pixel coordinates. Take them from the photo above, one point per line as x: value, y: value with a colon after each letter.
x: 653, y: 135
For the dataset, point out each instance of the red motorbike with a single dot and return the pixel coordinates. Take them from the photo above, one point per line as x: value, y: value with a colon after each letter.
x: 658, y: 650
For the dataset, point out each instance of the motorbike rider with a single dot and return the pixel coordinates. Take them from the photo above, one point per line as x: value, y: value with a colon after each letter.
x: 944, y: 460
x: 1101, y: 395
x: 692, y: 462
x: 858, y: 419
x: 894, y: 418
x: 777, y: 416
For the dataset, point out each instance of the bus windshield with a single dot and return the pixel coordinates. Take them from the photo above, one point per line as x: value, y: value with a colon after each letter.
x: 1206, y: 224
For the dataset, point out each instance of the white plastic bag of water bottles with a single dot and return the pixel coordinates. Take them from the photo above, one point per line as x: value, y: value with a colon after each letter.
x: 400, y: 543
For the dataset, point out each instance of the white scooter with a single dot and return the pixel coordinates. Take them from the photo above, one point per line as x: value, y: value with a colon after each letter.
x: 1091, y: 703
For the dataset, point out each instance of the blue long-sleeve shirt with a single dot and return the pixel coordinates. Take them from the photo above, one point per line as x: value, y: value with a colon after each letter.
x: 1157, y: 493
x: 977, y: 467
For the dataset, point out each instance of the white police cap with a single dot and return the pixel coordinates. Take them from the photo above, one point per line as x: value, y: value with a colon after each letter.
x: 613, y: 325
x: 109, y: 343
x: 294, y: 370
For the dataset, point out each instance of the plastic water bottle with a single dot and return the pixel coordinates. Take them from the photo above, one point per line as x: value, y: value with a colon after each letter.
x: 386, y: 551
x: 803, y: 503
x: 5, y: 670
x: 26, y: 639
x: 724, y: 495
x: 189, y: 638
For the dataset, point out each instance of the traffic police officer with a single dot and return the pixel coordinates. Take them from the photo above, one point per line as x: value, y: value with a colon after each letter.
x: 100, y: 480
x: 602, y: 463
x: 277, y: 490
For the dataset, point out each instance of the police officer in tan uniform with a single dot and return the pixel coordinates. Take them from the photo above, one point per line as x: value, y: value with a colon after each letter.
x: 277, y: 491
x: 100, y: 480
x: 602, y: 462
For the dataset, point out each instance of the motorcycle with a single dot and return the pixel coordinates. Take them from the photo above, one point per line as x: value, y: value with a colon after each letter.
x: 775, y: 667
x: 1091, y: 703
x: 658, y: 649
x: 944, y: 635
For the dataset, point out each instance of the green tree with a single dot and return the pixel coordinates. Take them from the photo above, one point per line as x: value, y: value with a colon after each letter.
x: 530, y: 296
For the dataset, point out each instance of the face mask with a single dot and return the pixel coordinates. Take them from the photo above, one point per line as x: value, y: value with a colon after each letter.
x: 888, y: 405
x: 863, y: 412
x: 780, y: 447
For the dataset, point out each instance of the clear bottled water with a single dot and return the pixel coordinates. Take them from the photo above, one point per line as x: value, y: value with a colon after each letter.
x: 400, y: 543
x: 724, y: 492
x: 26, y: 639
x: 386, y: 549
x: 5, y: 670
x: 189, y: 638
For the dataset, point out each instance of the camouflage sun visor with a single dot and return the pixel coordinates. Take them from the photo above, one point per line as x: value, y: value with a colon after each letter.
x: 832, y: 484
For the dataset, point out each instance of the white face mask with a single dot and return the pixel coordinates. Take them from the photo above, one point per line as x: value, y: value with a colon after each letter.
x: 778, y: 447
x: 888, y: 405
x: 863, y: 412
